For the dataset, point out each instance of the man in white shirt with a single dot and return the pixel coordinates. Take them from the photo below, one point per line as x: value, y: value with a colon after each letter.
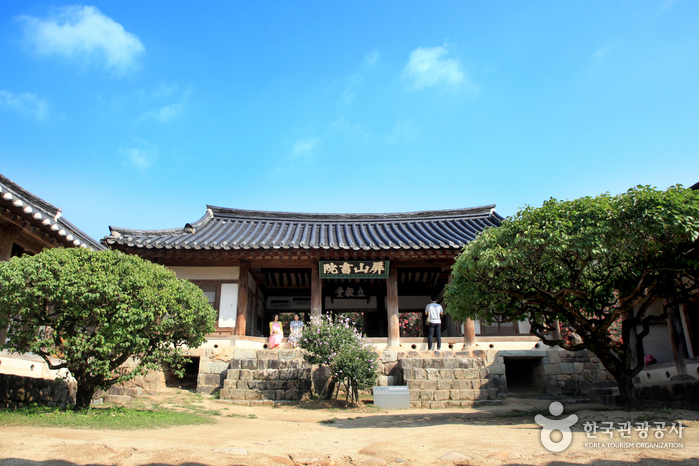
x: 434, y: 312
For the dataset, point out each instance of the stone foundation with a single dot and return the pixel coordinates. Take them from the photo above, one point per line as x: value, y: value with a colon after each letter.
x: 449, y: 379
x: 262, y: 377
x: 18, y: 392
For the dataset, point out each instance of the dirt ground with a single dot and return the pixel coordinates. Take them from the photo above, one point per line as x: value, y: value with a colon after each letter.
x: 497, y: 435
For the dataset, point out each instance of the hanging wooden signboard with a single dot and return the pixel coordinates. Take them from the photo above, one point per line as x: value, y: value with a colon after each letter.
x: 354, y: 269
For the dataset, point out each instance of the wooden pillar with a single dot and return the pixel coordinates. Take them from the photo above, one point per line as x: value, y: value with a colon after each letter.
x: 392, y: 307
x: 316, y: 292
x: 469, y: 333
x: 242, y: 297
x: 677, y: 339
x: 556, y: 333
x: 7, y: 237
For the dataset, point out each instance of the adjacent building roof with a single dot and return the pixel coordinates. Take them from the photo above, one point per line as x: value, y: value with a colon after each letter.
x: 222, y: 228
x: 34, y: 217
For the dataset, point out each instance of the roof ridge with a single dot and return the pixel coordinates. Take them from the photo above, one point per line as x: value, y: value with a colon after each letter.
x: 224, y: 212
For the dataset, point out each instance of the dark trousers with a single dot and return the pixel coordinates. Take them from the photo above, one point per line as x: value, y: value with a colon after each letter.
x: 430, y: 331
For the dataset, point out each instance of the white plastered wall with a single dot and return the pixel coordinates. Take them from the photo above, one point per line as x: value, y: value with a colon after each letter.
x: 228, y: 306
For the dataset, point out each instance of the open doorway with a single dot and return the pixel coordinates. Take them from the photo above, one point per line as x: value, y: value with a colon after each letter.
x: 525, y: 375
x: 189, y: 379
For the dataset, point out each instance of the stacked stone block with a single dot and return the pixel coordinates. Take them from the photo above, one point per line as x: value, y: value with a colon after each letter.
x: 452, y: 380
x: 571, y: 373
x: 267, y: 378
x: 211, y: 374
x: 17, y: 392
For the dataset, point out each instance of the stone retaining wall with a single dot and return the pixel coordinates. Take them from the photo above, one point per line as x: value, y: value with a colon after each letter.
x: 674, y: 395
x: 435, y: 379
x: 571, y: 373
x: 455, y: 381
x: 17, y: 392
x: 268, y: 378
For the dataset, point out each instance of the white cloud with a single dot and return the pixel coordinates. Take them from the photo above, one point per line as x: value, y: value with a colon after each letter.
x: 26, y: 103
x: 140, y: 154
x: 169, y: 112
x: 304, y: 147
x: 353, y: 84
x: 371, y: 58
x: 164, y: 114
x: 83, y: 32
x: 428, y: 66
x: 165, y: 90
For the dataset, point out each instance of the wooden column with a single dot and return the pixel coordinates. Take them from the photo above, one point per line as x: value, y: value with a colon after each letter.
x: 316, y: 292
x: 242, y: 297
x: 469, y: 333
x: 556, y: 333
x: 7, y: 236
x: 677, y: 339
x: 392, y: 307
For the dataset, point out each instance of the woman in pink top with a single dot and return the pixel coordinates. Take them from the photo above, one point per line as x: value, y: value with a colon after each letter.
x: 275, y: 333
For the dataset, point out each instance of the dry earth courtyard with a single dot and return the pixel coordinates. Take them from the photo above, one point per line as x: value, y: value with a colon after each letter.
x: 319, y: 434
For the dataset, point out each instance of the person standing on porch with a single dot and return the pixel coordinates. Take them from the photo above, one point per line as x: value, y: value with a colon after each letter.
x: 434, y: 313
x: 275, y: 333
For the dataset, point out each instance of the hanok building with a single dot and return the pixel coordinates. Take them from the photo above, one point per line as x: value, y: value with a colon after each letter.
x: 29, y: 224
x: 380, y: 269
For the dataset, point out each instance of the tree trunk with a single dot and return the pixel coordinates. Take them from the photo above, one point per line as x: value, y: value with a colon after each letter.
x: 622, y: 376
x: 627, y: 390
x: 84, y: 394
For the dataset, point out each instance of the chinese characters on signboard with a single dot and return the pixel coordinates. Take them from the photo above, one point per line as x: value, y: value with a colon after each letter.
x: 354, y: 269
x: 349, y: 292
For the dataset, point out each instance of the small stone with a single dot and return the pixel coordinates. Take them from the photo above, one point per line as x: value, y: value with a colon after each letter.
x: 455, y: 457
x: 114, y: 448
x: 282, y: 460
x: 327, y: 462
x: 374, y: 461
x: 232, y: 451
x: 306, y: 460
x: 504, y: 455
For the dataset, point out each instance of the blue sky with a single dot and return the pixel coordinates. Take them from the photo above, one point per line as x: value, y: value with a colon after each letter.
x: 138, y: 114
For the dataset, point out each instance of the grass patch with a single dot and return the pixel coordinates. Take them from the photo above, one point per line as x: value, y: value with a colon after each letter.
x: 328, y: 421
x: 118, y: 417
x: 249, y: 416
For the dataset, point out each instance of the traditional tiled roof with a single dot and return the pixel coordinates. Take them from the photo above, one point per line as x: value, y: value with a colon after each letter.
x: 226, y: 229
x: 40, y: 217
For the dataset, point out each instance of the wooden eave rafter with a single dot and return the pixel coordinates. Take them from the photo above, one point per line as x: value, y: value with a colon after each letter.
x: 275, y: 258
x: 29, y: 235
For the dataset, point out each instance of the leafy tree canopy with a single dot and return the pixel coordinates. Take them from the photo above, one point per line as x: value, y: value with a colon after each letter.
x: 95, y: 310
x: 596, y: 264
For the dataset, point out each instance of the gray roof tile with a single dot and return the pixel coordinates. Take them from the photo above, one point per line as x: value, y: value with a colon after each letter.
x: 222, y: 228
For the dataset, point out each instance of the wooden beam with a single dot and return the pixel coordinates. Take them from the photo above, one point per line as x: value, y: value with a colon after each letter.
x: 242, y: 298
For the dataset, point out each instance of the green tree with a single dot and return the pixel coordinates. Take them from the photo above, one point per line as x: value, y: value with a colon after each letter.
x: 596, y: 264
x: 343, y: 349
x: 91, y: 311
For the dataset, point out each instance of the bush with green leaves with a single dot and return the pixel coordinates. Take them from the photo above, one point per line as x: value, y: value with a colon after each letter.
x: 339, y: 346
x: 595, y: 264
x: 91, y: 312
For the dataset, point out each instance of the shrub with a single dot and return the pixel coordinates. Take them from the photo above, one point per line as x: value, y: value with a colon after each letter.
x: 338, y: 345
